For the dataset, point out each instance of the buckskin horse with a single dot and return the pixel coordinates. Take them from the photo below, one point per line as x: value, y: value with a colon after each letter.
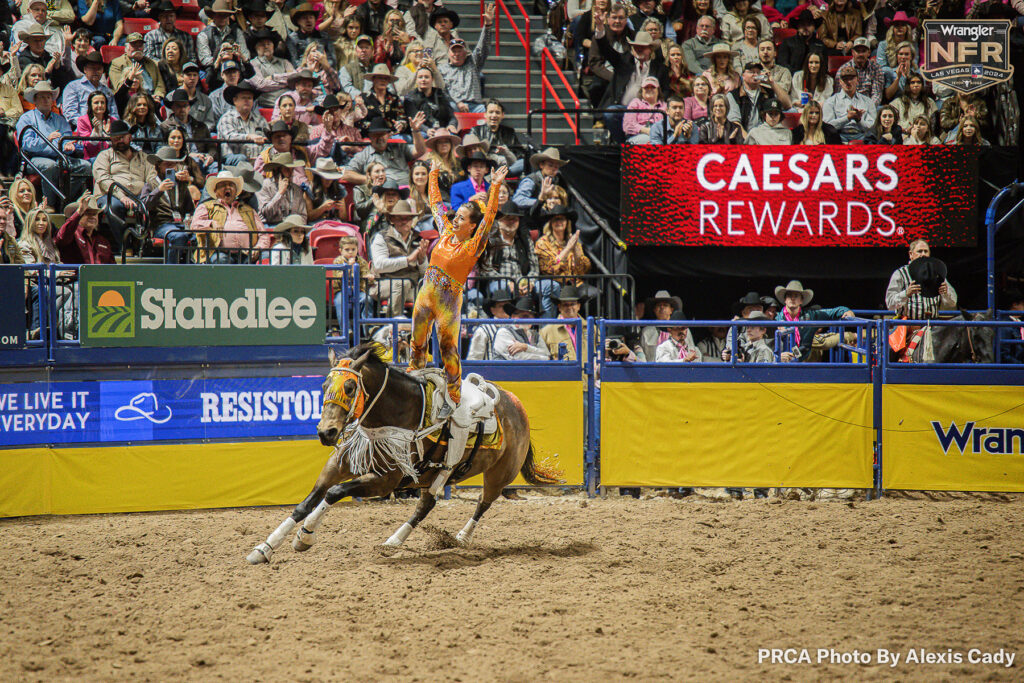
x: 364, y: 395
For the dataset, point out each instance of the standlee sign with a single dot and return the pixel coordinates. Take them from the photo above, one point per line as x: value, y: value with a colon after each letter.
x: 202, y: 305
x: 12, y: 315
x: 966, y: 54
x: 796, y: 196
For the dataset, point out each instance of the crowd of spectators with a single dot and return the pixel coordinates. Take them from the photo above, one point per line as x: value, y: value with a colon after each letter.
x: 778, y: 72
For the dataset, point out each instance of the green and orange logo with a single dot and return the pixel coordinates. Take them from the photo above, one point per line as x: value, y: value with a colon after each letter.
x: 110, y: 309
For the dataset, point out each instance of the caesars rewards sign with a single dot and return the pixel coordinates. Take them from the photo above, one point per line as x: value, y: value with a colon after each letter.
x: 858, y: 196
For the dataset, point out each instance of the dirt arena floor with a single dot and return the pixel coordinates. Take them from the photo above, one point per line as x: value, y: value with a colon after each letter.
x: 555, y: 588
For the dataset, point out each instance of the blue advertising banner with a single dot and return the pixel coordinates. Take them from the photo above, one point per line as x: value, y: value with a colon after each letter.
x: 158, y: 410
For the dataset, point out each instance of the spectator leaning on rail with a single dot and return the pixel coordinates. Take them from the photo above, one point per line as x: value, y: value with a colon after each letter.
x: 903, y: 296
x: 79, y: 239
x: 521, y: 341
x: 554, y: 335
x: 227, y: 230
x: 809, y: 344
x: 749, y: 304
x: 848, y: 111
x: 127, y: 166
x: 678, y: 344
x: 170, y: 197
x: 498, y: 305
x: 462, y: 72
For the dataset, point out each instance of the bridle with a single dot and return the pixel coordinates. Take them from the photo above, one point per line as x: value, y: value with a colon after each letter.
x: 354, y: 406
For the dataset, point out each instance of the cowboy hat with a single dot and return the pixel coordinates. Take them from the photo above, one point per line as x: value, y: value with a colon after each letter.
x: 161, y: 8
x: 558, y: 210
x: 41, y: 87
x: 165, y: 154
x: 263, y: 34
x: 257, y: 6
x: 440, y: 12
x: 292, y: 221
x: 283, y: 160
x: 662, y: 296
x: 281, y: 126
x: 179, y: 96
x: 749, y: 299
x: 220, y: 7
x: 794, y: 286
x: 224, y: 176
x: 770, y: 301
x: 643, y: 39
x: 929, y: 272
x: 402, y: 208
x: 327, y: 169
x: 329, y: 102
x: 526, y: 304
x: 390, y: 185
x: 499, y: 296
x: 720, y: 49
x: 471, y: 140
x: 549, y: 154
x: 244, y: 170
x: 757, y: 315
x: 439, y: 135
x: 568, y: 294
x: 304, y: 8
x: 509, y: 208
x: 118, y: 127
x: 807, y: 17
x: 476, y: 156
x: 93, y: 57
x: 676, y: 315
x: 377, y: 125
x: 901, y: 17
x: 232, y: 91
x: 380, y: 71
x: 34, y: 31
x: 90, y: 205
x: 301, y: 75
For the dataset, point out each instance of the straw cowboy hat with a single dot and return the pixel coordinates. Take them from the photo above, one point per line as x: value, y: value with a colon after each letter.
x: 327, y: 169
x: 720, y: 49
x: 380, y: 71
x: 90, y: 205
x: 292, y: 221
x: 224, y: 176
x: 471, y: 140
x: 794, y: 286
x: 440, y: 135
x: 549, y: 154
x: 662, y: 296
x: 643, y: 39
x: 402, y: 208
x: 34, y: 31
x: 165, y: 154
x: 41, y: 87
x: 283, y: 160
x: 304, y: 8
x: 221, y: 7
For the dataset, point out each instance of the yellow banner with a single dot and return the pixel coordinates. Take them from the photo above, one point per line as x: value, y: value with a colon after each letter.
x: 953, y: 438
x: 38, y: 481
x: 736, y: 434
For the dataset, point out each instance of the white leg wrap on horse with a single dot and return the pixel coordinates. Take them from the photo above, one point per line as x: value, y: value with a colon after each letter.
x: 398, y: 538
x: 466, y: 535
x: 275, y: 539
x: 313, y: 520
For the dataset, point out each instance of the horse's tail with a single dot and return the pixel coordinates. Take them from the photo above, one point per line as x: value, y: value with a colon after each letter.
x: 539, y: 474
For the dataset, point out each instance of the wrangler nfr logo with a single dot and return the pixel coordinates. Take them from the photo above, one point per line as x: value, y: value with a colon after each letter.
x: 967, y: 55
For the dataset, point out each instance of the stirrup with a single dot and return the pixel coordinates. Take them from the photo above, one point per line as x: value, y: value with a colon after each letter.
x: 445, y: 411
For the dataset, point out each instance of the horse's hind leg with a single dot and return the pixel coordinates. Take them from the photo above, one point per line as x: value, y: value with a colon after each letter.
x: 423, y: 509
x: 493, y: 484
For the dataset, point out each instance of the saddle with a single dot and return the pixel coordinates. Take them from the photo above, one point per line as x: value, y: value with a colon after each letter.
x: 477, y: 405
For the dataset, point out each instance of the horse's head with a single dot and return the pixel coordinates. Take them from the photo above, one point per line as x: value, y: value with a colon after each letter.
x: 967, y: 344
x: 344, y: 396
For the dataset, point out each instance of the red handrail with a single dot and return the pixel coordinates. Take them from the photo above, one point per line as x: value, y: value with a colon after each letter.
x: 524, y: 41
x: 545, y: 86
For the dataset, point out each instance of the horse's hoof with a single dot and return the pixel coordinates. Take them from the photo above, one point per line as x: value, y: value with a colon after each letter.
x: 261, y: 554
x: 303, y: 540
x: 464, y: 539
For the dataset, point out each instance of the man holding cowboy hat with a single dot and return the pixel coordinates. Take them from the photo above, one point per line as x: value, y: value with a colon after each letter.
x: 396, y: 157
x: 166, y: 15
x: 906, y: 294
x: 78, y: 239
x: 242, y: 124
x: 224, y: 223
x: 304, y: 17
x: 521, y: 341
x: 539, y: 185
x: 497, y: 305
x: 629, y: 69
x: 170, y: 198
x: 794, y: 298
x: 476, y: 167
x: 222, y: 39
x: 52, y: 127
x: 76, y: 94
x: 554, y: 335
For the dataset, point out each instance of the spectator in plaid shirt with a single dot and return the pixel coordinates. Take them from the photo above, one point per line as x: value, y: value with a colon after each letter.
x: 154, y: 42
x: 872, y: 78
x: 509, y: 257
x: 241, y: 123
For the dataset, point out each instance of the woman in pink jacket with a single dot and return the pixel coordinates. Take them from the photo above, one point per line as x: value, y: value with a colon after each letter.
x: 638, y: 119
x: 93, y: 123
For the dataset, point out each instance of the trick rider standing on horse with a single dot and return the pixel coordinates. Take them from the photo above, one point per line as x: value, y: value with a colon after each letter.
x: 439, y: 300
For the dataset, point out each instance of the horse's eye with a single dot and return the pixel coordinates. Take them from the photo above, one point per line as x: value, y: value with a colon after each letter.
x: 350, y: 387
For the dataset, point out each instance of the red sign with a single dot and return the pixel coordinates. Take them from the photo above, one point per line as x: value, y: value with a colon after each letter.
x: 799, y: 196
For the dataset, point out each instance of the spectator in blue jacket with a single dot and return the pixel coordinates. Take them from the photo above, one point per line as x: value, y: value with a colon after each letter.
x: 476, y: 165
x: 809, y: 343
x: 50, y: 126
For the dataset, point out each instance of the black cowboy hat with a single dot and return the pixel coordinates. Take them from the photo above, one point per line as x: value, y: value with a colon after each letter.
x: 929, y: 272
x: 118, y: 127
x: 806, y: 17
x: 263, y: 34
x: 476, y: 156
x: 509, y: 208
x: 440, y: 12
x: 390, y: 185
x: 178, y: 95
x: 770, y: 301
x: 378, y: 125
x: 232, y: 91
x: 558, y: 210
x: 527, y: 304
x: 568, y: 294
x: 280, y: 126
x: 257, y: 6
x: 749, y: 299
x: 329, y: 102
x: 500, y: 296
x: 93, y: 57
x: 676, y: 315
x: 162, y: 7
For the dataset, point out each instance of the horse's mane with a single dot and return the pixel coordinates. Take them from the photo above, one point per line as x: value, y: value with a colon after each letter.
x: 377, y: 351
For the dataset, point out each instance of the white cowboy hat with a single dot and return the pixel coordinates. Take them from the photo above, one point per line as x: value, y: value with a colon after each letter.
x: 794, y: 286
x: 222, y: 177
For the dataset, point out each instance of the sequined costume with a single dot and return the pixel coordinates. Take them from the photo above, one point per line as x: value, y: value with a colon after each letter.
x: 440, y: 297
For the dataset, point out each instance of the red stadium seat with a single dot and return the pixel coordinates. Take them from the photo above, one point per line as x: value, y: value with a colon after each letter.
x: 467, y: 120
x: 111, y: 52
x: 791, y: 119
x: 324, y: 240
x: 781, y: 34
x: 186, y: 8
x: 189, y: 26
x: 323, y: 261
x: 836, y: 61
x: 142, y: 26
x: 267, y: 113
